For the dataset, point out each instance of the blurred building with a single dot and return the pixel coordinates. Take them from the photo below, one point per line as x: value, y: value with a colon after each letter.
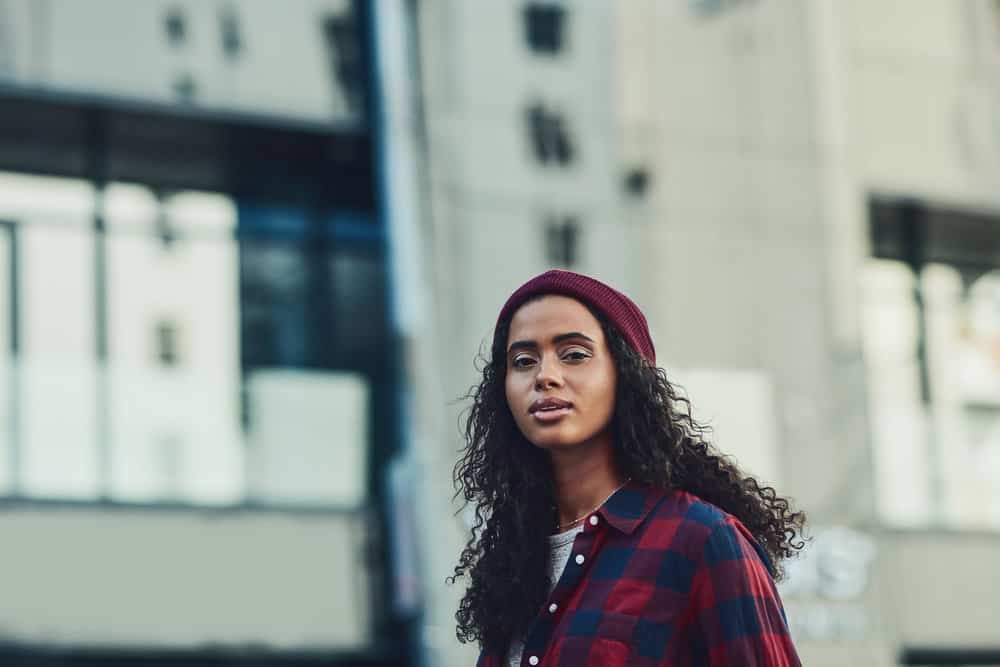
x: 199, y: 381
x: 805, y: 198
x: 249, y: 250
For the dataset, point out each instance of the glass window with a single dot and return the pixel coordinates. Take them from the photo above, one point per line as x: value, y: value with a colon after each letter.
x: 934, y: 388
x: 314, y: 338
x: 964, y: 367
x: 173, y: 347
x: 899, y: 421
x: 561, y: 240
x: 543, y: 27
x: 549, y: 135
x: 307, y: 436
x: 51, y: 378
x: 239, y: 366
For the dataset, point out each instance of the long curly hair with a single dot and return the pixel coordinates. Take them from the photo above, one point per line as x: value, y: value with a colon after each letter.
x: 509, y: 483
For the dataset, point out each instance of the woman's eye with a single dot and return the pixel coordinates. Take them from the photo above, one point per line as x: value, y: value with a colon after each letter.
x: 521, y: 362
x: 576, y: 355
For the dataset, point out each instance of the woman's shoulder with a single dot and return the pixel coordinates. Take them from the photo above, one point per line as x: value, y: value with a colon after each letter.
x: 685, y: 523
x: 689, y: 511
x: 683, y: 517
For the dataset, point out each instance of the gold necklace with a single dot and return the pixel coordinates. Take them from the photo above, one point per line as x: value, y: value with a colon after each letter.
x: 563, y: 525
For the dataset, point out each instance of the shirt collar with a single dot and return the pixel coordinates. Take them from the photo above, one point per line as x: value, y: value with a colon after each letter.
x: 629, y: 506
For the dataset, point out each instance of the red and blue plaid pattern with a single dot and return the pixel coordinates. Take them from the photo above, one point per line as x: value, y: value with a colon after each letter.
x: 660, y: 579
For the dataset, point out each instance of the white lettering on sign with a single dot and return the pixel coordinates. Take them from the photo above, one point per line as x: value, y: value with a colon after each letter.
x: 826, y: 622
x: 834, y: 566
x: 823, y: 586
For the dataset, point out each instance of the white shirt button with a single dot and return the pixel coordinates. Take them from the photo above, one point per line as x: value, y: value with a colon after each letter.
x: 533, y: 660
x: 553, y: 607
x: 593, y: 519
x: 579, y: 559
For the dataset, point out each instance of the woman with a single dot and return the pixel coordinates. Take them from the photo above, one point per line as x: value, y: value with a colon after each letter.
x: 607, y: 531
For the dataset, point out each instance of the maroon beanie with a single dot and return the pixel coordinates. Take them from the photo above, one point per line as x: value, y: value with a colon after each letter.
x: 617, y: 307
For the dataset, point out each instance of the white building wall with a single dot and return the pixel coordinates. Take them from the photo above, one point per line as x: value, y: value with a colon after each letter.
x: 181, y: 436
x: 766, y: 125
x: 61, y: 46
x: 51, y: 217
x: 925, y: 100
x: 135, y: 578
x: 736, y: 227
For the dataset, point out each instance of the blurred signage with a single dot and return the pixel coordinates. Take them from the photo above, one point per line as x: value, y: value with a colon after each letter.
x: 294, y: 59
x: 824, y: 588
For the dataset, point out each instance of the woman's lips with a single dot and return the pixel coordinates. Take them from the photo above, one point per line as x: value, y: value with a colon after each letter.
x: 548, y: 416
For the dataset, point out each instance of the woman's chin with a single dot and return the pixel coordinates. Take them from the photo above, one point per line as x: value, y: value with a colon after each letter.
x: 554, y: 441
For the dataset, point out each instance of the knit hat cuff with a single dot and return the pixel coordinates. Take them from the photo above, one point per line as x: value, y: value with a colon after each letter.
x: 617, y: 307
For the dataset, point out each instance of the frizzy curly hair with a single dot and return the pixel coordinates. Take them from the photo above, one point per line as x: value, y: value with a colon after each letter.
x: 509, y: 483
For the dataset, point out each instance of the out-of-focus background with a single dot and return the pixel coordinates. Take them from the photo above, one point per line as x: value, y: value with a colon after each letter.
x: 249, y: 250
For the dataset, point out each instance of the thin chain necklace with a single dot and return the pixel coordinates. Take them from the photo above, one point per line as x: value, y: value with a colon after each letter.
x: 578, y: 520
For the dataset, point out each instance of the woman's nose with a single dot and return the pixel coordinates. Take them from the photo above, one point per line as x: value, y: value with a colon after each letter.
x: 548, y: 374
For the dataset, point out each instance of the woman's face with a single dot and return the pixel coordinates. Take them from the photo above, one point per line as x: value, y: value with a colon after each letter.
x: 560, y: 375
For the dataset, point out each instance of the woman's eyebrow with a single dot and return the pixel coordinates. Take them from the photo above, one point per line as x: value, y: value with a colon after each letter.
x: 530, y: 344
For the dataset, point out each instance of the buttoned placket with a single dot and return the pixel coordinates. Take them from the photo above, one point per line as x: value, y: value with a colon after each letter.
x: 540, y: 633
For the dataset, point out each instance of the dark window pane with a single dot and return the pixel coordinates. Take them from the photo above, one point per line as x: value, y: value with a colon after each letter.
x: 166, y: 343
x: 543, y: 27
x: 346, y: 57
x: 360, y: 318
x: 175, y: 26
x: 561, y: 236
x: 229, y: 32
x: 273, y: 284
x: 550, y: 139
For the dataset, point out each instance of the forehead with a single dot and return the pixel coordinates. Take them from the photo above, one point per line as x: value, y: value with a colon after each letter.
x: 550, y: 316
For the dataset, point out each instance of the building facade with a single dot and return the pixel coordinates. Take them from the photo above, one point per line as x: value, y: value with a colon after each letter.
x: 803, y: 197
x: 198, y: 376
x: 257, y: 240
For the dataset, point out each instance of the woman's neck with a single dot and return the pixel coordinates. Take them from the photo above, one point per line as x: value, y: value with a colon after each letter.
x: 583, y: 481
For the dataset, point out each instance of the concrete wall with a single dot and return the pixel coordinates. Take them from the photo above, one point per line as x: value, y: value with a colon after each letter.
x: 736, y: 224
x: 942, y: 587
x: 66, y: 47
x: 172, y: 578
x: 924, y: 101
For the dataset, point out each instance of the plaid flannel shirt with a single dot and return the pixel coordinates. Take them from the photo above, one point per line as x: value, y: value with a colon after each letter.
x: 660, y: 579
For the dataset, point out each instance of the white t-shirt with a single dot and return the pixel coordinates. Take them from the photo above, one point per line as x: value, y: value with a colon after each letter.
x: 560, y: 546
